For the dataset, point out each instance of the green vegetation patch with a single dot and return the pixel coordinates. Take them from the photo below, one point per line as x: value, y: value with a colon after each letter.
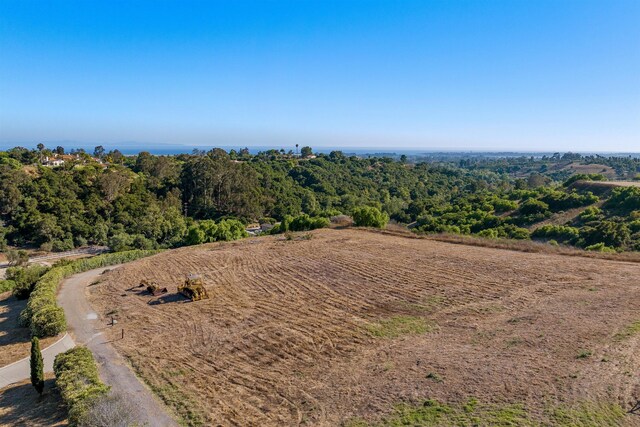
x: 628, y: 331
x: 471, y: 413
x: 396, y: 326
x: 432, y: 413
x: 587, y: 415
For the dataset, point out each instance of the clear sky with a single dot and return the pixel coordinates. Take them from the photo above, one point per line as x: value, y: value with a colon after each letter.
x: 514, y: 74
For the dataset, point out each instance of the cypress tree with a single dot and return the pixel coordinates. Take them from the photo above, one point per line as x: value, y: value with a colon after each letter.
x: 37, y: 365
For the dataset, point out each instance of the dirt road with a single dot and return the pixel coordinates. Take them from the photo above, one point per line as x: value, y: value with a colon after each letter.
x: 87, y: 329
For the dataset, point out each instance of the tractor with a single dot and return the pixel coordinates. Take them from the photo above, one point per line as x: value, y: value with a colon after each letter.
x: 193, y: 288
x: 153, y: 288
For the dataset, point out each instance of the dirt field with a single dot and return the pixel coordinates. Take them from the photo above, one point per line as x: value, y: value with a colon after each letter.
x: 20, y: 405
x: 341, y: 328
x: 605, y: 170
x: 15, y: 342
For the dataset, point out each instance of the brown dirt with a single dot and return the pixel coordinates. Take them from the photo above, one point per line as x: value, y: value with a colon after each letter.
x: 20, y: 405
x: 15, y: 342
x: 284, y: 338
x: 622, y: 183
x: 605, y: 170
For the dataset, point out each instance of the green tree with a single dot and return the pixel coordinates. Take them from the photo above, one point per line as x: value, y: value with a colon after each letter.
x: 98, y: 151
x: 368, y: 216
x: 306, y: 151
x: 37, y: 366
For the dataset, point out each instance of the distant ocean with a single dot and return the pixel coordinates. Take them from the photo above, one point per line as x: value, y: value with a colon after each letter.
x: 133, y: 148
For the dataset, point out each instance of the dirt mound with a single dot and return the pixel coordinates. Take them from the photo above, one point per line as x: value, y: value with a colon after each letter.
x: 347, y: 324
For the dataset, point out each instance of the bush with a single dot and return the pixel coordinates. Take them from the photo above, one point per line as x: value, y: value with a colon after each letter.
x: 25, y: 279
x: 7, y: 285
x: 207, y: 231
x: 600, y: 247
x: 110, y: 410
x: 585, y: 177
x: 230, y: 229
x: 62, y: 245
x: 305, y: 222
x: 533, y: 207
x: 560, y: 233
x: 17, y: 258
x: 42, y: 313
x: 368, y: 216
x: 49, y: 321
x: 591, y: 214
x: 78, y: 381
x: 624, y: 200
x: 120, y: 242
x: 302, y: 222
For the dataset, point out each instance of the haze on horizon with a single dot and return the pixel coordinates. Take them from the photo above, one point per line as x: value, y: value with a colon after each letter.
x: 463, y: 75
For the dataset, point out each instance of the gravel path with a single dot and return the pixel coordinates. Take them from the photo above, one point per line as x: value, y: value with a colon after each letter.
x: 86, y: 328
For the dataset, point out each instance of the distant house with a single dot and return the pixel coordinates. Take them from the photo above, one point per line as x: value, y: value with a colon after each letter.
x: 52, y: 162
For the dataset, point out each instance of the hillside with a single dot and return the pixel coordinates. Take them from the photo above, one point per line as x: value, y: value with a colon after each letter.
x: 344, y: 326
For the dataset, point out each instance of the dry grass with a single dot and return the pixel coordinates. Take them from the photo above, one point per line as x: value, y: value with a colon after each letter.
x: 350, y: 323
x: 15, y: 342
x: 605, y: 170
x: 20, y: 405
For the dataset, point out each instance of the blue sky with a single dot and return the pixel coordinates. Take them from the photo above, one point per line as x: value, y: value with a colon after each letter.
x: 498, y: 75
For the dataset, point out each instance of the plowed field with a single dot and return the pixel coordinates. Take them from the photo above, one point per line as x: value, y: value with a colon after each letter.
x: 342, y: 327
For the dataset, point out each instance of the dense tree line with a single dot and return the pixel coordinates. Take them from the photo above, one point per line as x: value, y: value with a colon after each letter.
x: 148, y: 201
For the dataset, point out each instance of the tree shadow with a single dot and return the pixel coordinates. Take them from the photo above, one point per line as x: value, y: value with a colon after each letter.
x: 20, y: 404
x: 10, y: 331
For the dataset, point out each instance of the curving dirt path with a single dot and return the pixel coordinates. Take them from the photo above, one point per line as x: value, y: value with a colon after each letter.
x: 87, y: 329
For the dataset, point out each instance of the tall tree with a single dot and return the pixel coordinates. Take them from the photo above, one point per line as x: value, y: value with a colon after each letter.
x: 98, y: 152
x: 306, y: 151
x: 37, y: 366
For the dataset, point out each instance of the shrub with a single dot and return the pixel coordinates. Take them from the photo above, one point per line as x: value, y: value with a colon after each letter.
x: 305, y: 222
x: 368, y: 216
x: 585, y: 177
x: 62, y: 245
x: 7, y: 285
x: 302, y: 222
x: 17, y: 258
x: 533, y: 207
x: 560, y: 233
x: 611, y: 233
x: 110, y: 410
x: 503, y: 205
x: 78, y: 381
x: 121, y: 242
x: 590, y: 214
x: 230, y: 229
x: 600, y: 247
x: 25, y: 279
x: 560, y: 200
x: 207, y: 231
x: 489, y: 233
x: 624, y: 200
x: 49, y: 321
x: 42, y: 313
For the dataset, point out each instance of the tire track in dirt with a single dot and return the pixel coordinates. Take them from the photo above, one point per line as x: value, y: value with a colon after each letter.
x: 283, y: 339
